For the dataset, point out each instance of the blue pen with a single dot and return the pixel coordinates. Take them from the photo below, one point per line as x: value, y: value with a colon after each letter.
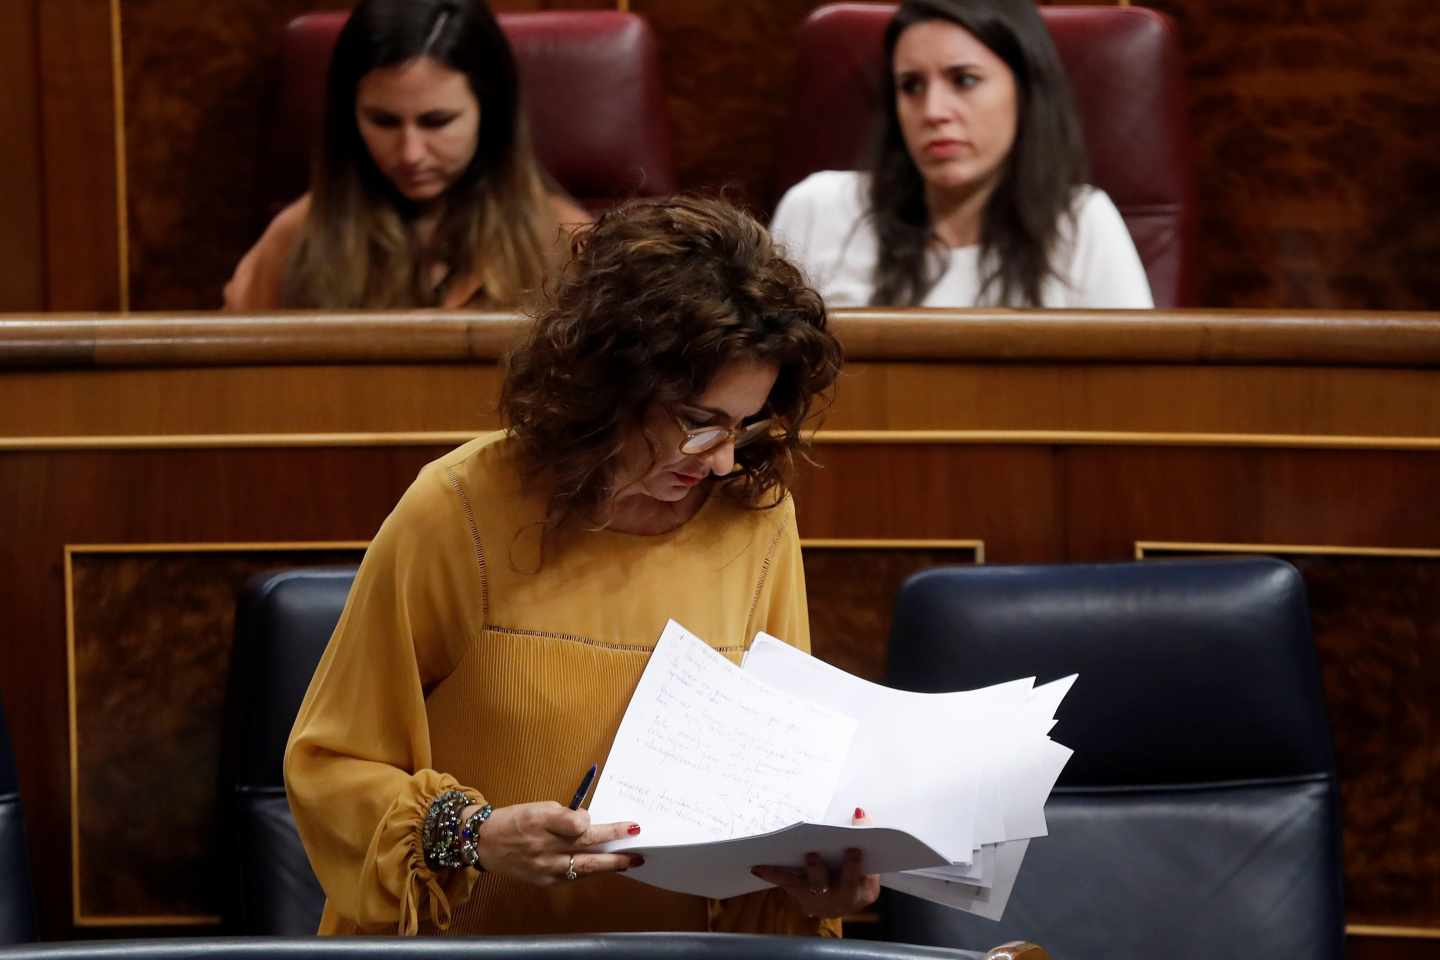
x: 584, y: 787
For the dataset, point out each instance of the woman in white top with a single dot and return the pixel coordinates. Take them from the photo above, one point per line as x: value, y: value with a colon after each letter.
x: 976, y: 194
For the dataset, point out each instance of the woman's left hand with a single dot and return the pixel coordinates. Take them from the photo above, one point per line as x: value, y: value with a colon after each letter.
x: 824, y: 892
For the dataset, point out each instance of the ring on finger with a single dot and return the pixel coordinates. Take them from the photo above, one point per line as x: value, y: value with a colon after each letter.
x: 570, y: 873
x: 819, y: 891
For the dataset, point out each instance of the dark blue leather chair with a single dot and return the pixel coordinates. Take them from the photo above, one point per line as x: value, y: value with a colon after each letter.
x: 17, y: 906
x: 1199, y: 814
x: 283, y: 620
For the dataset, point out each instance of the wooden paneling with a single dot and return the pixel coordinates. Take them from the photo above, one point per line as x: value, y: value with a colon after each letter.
x: 22, y: 282
x: 728, y: 67
x: 82, y: 188
x: 51, y: 500
x: 1344, y: 453
x: 150, y: 644
x: 1351, y: 379
x: 851, y: 590
x: 1315, y: 151
x: 1006, y: 497
x: 1331, y: 497
x: 195, y: 86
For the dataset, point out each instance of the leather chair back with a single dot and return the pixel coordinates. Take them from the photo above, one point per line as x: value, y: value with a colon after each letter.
x: 17, y: 908
x: 1126, y: 72
x: 1198, y: 816
x: 283, y: 622
x: 589, y: 80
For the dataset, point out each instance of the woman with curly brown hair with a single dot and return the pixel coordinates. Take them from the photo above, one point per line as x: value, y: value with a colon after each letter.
x: 507, y: 607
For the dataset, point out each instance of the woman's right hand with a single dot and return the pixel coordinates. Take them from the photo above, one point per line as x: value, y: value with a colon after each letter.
x: 535, y: 842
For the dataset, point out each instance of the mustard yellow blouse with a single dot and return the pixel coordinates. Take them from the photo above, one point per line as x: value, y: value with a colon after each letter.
x: 464, y: 660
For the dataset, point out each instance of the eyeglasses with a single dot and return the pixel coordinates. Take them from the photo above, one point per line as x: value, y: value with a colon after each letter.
x: 701, y: 440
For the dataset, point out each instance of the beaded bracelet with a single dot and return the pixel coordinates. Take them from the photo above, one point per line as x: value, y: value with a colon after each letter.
x: 470, y: 837
x: 440, y: 835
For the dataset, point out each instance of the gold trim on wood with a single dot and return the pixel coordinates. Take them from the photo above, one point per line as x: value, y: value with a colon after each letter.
x: 824, y: 437
x: 75, y: 915
x: 71, y: 550
x: 1306, y: 548
x: 217, y: 547
x: 1398, y: 933
x: 977, y: 546
x: 1126, y: 438
x: 208, y: 441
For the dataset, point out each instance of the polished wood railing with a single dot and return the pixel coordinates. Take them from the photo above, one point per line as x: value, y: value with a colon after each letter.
x: 1269, y: 337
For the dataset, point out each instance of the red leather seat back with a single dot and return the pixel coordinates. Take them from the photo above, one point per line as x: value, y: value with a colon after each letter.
x: 1125, y: 68
x: 590, y: 81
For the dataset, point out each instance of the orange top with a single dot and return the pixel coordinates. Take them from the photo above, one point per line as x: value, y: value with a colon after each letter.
x: 260, y: 276
x: 461, y: 658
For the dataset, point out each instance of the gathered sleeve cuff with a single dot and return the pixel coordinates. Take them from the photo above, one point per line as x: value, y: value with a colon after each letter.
x: 768, y: 912
x: 403, y: 882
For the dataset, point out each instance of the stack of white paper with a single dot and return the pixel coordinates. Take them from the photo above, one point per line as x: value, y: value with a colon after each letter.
x: 728, y: 767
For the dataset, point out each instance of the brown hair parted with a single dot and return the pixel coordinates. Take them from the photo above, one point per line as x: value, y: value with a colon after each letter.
x: 358, y: 247
x: 657, y: 297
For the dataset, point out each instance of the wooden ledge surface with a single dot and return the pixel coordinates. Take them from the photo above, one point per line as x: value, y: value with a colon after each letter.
x: 61, y: 341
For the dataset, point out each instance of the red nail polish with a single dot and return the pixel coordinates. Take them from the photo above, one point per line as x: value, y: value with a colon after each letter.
x: 633, y: 829
x: 812, y: 858
x: 636, y: 860
x: 859, y: 813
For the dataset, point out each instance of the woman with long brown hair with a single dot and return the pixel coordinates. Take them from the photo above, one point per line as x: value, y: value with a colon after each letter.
x: 975, y: 193
x: 425, y: 191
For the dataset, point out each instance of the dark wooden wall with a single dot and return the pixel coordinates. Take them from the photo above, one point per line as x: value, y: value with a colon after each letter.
x: 60, y: 217
x: 1316, y: 156
x: 22, y: 282
x: 1312, y: 119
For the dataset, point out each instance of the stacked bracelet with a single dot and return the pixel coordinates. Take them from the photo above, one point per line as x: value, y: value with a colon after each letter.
x: 440, y: 835
x: 470, y: 837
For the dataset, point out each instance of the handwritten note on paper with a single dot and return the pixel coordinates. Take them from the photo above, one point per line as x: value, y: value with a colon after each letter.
x: 706, y: 752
